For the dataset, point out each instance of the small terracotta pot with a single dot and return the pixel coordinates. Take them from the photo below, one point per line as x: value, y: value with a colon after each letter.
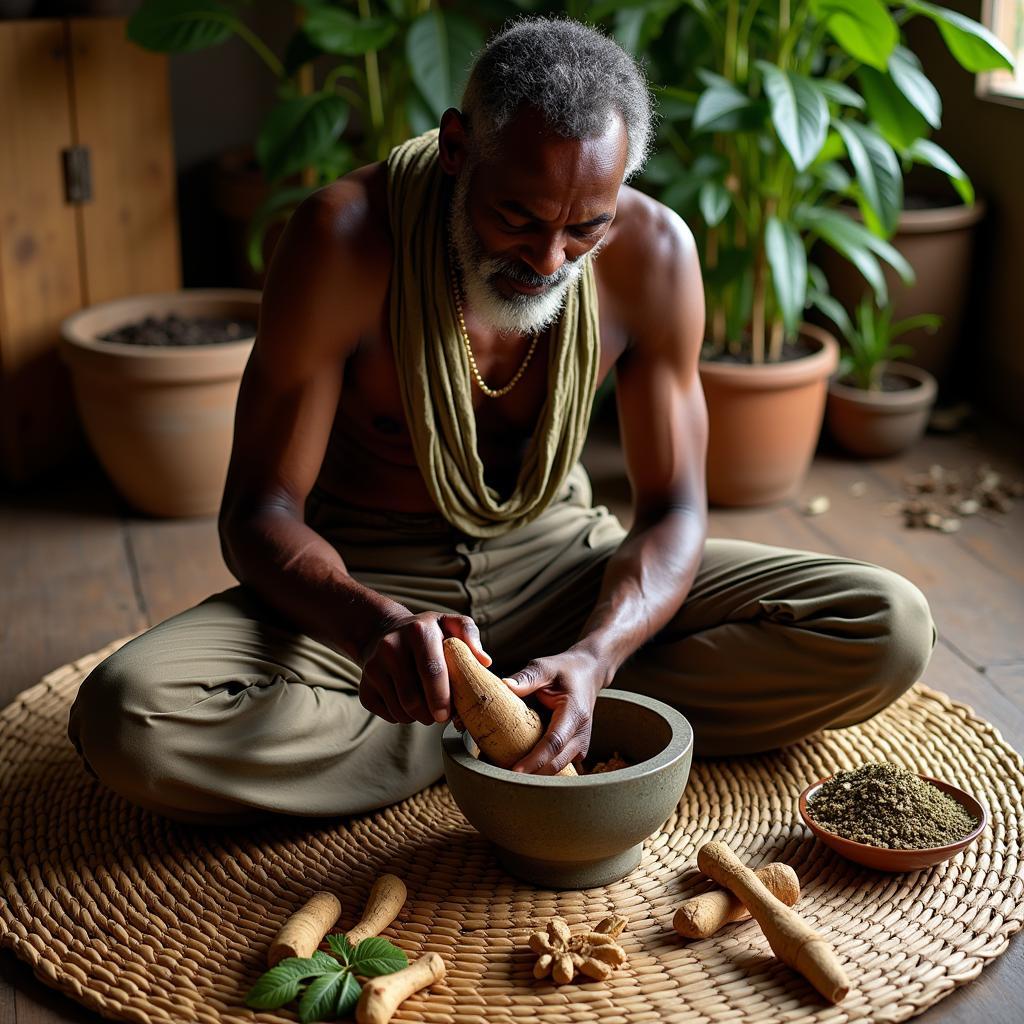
x: 160, y: 418
x: 764, y: 422
x: 879, y: 423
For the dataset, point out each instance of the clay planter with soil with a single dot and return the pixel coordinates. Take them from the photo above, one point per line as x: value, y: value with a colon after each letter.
x: 764, y: 421
x: 876, y: 423
x: 160, y: 416
x: 937, y: 240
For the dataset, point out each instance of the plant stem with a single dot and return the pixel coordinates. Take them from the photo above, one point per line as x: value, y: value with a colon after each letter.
x: 266, y: 55
x: 731, y: 18
x: 775, y: 345
x: 743, y: 45
x: 717, y: 309
x: 757, y: 312
x: 373, y: 90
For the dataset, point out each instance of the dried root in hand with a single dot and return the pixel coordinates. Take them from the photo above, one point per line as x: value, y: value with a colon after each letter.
x: 564, y: 955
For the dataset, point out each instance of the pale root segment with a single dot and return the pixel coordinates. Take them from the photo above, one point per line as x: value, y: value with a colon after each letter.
x: 505, y: 727
x: 306, y: 928
x: 792, y: 939
x: 386, y: 899
x: 701, y: 916
x: 382, y: 996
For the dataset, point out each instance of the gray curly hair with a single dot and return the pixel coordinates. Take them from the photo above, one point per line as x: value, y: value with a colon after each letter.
x: 572, y: 73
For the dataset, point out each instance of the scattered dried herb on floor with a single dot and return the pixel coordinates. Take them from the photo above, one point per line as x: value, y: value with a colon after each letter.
x: 882, y: 804
x: 941, y: 498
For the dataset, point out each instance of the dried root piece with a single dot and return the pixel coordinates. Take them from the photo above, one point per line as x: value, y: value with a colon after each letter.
x: 563, y: 955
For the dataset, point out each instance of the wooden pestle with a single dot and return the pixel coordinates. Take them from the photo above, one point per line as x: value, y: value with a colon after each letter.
x: 386, y: 899
x: 792, y: 939
x: 382, y: 996
x: 504, y: 727
x: 306, y: 928
x: 701, y: 916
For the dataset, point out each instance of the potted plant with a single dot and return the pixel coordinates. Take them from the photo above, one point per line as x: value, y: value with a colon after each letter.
x: 156, y: 379
x: 772, y: 121
x: 877, y: 407
x: 387, y: 72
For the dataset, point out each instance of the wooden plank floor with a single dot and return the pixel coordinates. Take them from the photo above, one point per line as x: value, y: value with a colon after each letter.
x: 79, y: 569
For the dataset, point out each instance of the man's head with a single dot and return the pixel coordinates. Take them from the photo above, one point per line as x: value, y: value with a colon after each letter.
x: 555, y: 117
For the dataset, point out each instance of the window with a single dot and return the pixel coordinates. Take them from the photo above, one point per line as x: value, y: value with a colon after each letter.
x: 1006, y: 19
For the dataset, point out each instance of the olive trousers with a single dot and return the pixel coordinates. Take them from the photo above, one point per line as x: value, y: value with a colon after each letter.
x: 224, y: 713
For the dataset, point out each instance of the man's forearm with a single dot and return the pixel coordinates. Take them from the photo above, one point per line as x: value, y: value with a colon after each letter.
x: 303, y: 577
x: 644, y: 585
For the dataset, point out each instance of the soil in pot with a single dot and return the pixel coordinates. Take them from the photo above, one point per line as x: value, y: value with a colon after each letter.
x: 174, y: 330
x: 790, y: 350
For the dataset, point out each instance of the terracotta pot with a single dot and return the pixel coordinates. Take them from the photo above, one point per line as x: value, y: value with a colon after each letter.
x: 765, y: 421
x: 937, y: 243
x: 878, y: 423
x: 161, y: 418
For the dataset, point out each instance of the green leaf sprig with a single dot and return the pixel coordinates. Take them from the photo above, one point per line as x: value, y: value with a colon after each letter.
x: 326, y: 986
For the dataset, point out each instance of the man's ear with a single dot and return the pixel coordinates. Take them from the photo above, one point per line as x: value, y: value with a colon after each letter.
x: 452, y: 142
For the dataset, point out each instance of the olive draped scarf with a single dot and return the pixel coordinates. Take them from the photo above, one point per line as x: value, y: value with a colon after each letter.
x: 433, y: 367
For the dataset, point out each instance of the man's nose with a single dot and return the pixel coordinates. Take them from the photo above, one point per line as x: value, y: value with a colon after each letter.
x: 545, y: 256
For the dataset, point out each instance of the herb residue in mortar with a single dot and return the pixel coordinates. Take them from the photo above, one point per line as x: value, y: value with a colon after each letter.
x: 884, y: 805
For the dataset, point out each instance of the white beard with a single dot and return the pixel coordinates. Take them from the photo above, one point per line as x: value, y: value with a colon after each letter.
x: 520, y: 314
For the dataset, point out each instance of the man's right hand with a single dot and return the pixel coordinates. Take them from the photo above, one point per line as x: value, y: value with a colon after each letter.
x: 405, y: 678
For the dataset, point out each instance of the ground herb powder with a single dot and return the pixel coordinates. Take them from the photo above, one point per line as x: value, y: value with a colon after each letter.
x: 884, y: 805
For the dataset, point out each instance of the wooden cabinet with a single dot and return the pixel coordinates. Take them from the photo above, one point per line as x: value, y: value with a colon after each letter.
x: 87, y: 209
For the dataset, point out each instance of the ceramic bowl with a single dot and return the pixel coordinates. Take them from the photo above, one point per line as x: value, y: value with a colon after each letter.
x: 898, y: 860
x: 578, y: 833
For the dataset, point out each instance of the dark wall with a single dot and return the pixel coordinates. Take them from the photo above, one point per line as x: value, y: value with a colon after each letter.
x: 987, y: 139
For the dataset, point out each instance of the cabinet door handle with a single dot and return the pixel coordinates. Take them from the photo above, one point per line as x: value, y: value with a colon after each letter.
x: 77, y: 174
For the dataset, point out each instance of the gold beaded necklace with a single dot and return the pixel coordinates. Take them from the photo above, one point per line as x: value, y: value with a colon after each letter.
x: 481, y: 383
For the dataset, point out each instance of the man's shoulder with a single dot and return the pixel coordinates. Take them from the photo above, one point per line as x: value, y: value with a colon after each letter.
x: 346, y: 222
x: 652, y: 244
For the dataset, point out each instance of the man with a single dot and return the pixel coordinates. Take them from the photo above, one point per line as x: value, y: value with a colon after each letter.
x: 405, y: 469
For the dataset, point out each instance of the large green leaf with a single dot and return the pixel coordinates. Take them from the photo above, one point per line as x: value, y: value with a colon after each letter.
x: 417, y: 113
x: 715, y: 103
x: 281, y: 984
x: 896, y: 117
x: 863, y: 28
x: 878, y: 174
x: 787, y: 258
x: 714, y: 201
x: 322, y: 996
x: 856, y: 243
x: 799, y: 113
x: 924, y: 151
x: 682, y: 191
x: 973, y: 45
x: 833, y: 309
x: 179, y: 26
x: 375, y: 956
x: 298, y: 131
x: 905, y: 71
x: 440, y: 47
x: 838, y: 92
x: 338, y: 31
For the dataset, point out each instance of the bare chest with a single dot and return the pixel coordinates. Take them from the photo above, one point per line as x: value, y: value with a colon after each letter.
x: 370, y: 458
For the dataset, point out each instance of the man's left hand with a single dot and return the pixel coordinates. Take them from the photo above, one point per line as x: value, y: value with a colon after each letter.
x: 567, y: 684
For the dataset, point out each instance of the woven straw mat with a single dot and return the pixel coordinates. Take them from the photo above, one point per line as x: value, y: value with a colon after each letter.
x: 144, y: 919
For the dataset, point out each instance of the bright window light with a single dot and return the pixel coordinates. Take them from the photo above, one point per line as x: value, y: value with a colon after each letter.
x: 1006, y: 19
